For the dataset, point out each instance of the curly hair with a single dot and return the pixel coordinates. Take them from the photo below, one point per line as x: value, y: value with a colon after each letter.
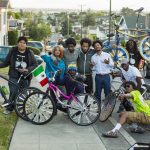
x: 61, y: 49
x: 97, y: 41
x: 70, y: 41
x: 86, y: 40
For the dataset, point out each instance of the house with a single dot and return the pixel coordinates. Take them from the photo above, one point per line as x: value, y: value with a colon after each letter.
x: 4, y: 5
x: 96, y: 32
x: 16, y: 24
x: 129, y: 23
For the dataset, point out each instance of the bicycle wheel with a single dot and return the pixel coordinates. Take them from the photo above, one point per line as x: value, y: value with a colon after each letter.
x: 39, y: 108
x: 84, y: 109
x: 118, y: 54
x: 144, y: 48
x: 19, y: 101
x: 107, y: 106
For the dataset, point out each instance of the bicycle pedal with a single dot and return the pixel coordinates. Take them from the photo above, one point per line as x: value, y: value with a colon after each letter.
x: 6, y: 104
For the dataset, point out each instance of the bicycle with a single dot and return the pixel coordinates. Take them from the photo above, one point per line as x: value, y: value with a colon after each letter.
x: 83, y: 109
x: 138, y: 34
x: 108, y: 104
x: 22, y: 93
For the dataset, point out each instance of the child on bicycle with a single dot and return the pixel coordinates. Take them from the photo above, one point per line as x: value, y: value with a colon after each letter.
x: 71, y: 81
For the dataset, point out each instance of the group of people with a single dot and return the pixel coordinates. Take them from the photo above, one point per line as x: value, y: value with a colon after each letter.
x: 74, y: 64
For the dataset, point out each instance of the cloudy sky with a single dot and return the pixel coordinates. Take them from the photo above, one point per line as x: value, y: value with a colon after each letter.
x: 75, y: 4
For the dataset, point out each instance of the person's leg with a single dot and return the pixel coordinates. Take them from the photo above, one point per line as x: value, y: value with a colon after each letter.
x: 89, y: 82
x: 13, y: 93
x: 107, y: 85
x: 98, y: 87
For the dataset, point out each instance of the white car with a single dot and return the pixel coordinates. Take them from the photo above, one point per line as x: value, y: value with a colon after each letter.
x: 36, y: 44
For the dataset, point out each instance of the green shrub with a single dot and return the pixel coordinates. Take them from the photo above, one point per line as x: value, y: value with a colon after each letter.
x: 36, y: 51
x: 12, y: 37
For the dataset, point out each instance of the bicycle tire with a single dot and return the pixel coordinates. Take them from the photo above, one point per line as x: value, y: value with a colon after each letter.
x: 19, y: 101
x: 122, y: 53
x: 37, y: 110
x: 84, y: 110
x: 144, y: 48
x: 107, y: 106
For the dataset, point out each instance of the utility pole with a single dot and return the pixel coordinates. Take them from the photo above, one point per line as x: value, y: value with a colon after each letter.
x: 81, y: 19
x: 68, y: 25
x: 109, y: 19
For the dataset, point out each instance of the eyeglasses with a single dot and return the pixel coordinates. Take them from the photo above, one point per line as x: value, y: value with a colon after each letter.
x: 122, y: 65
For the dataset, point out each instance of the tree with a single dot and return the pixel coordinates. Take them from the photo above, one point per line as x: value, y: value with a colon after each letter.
x: 89, y: 19
x: 127, y: 11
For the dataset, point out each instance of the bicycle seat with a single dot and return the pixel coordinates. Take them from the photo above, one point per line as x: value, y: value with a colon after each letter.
x: 110, y: 35
x: 147, y: 87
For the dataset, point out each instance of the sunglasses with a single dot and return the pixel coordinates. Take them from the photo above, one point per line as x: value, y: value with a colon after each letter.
x: 122, y: 65
x: 127, y: 86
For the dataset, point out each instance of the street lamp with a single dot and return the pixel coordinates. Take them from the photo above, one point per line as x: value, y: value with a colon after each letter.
x: 81, y: 19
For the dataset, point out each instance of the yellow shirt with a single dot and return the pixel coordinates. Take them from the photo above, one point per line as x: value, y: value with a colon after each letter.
x: 139, y: 103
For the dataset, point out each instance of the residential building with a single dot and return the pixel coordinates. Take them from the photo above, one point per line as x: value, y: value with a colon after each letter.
x: 4, y: 5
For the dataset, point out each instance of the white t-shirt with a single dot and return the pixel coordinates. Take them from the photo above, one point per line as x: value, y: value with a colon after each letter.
x: 131, y: 74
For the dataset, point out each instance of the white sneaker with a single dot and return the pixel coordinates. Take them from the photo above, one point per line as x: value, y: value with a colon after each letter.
x: 6, y: 112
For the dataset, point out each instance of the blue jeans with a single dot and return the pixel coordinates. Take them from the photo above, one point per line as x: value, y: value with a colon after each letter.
x: 102, y: 81
x: 14, y: 90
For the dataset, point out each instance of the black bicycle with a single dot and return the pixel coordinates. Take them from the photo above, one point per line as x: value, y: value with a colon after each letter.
x: 22, y: 94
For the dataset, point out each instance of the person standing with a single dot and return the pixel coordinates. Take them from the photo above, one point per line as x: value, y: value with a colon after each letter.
x: 83, y: 63
x: 70, y: 53
x: 21, y: 61
x: 134, y: 54
x: 102, y: 63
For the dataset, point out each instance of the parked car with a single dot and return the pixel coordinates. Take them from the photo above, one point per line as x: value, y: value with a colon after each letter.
x: 36, y: 44
x: 5, y: 49
x: 52, y: 43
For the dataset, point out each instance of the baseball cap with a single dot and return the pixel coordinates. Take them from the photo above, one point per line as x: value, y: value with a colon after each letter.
x: 124, y: 61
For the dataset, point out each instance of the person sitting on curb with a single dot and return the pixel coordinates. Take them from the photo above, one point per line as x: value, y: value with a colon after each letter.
x: 141, y: 114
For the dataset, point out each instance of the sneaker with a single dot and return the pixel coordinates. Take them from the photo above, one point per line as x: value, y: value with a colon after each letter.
x: 138, y: 129
x: 6, y: 112
x: 110, y: 134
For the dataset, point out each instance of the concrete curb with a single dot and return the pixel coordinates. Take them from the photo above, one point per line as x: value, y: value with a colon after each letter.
x: 123, y: 132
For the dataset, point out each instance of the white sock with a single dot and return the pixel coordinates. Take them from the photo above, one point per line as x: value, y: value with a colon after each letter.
x: 117, y: 127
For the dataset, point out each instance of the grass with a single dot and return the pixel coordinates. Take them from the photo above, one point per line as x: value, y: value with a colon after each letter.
x: 7, y: 124
x: 4, y: 70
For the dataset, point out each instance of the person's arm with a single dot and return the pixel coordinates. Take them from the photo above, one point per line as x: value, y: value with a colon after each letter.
x: 139, y: 82
x: 125, y: 96
x: 33, y: 64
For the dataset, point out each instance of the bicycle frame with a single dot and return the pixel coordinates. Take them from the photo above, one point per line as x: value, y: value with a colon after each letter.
x: 59, y: 93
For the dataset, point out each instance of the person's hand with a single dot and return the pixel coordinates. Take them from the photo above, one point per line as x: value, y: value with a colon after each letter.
x: 92, y: 64
x: 24, y: 70
x: 121, y: 97
x: 55, y: 62
x: 59, y: 71
x: 106, y: 61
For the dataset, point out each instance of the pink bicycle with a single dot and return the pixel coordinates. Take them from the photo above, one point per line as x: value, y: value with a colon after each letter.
x: 40, y: 107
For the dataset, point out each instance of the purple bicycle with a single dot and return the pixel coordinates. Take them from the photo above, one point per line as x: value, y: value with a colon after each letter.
x: 40, y: 107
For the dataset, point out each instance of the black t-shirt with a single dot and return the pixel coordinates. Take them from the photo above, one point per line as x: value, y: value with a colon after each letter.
x: 21, y: 61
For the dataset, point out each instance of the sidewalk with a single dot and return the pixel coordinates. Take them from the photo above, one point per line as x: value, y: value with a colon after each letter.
x: 59, y: 134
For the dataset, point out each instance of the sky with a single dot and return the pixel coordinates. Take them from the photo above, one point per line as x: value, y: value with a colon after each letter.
x: 76, y: 4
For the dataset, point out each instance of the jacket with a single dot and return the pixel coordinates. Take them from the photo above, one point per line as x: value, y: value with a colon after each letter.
x: 83, y: 62
x: 10, y: 61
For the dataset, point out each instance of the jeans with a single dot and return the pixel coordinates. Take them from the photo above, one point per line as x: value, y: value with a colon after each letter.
x: 14, y: 90
x: 102, y: 81
x: 89, y: 82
